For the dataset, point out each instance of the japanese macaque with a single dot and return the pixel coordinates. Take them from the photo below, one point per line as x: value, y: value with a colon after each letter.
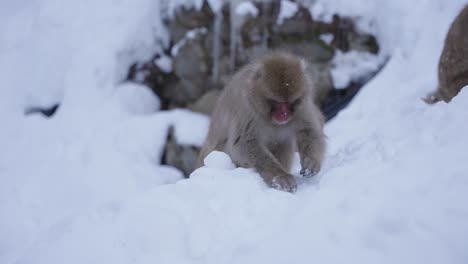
x: 264, y: 114
x: 453, y: 62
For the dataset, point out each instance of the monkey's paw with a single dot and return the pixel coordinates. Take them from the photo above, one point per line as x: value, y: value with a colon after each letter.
x: 284, y: 183
x: 310, y: 167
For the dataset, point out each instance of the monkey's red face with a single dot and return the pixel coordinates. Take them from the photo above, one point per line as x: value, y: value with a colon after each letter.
x: 282, y: 112
x: 277, y: 86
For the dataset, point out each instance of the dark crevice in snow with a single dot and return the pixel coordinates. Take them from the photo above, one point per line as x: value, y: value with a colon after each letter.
x: 46, y: 111
x: 181, y: 156
x: 338, y: 99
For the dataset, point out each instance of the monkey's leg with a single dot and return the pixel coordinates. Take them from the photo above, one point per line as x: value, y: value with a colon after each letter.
x: 251, y: 153
x: 311, y: 146
x: 432, y: 97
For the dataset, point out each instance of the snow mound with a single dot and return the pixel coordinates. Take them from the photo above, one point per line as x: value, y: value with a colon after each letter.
x: 216, y: 5
x: 137, y: 99
x: 246, y: 8
x: 287, y: 10
x: 219, y: 160
x: 352, y: 65
x: 164, y: 63
x: 191, y: 34
x: 190, y: 128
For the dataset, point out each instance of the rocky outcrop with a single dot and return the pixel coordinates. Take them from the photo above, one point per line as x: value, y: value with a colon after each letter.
x: 208, y: 45
x: 194, y: 39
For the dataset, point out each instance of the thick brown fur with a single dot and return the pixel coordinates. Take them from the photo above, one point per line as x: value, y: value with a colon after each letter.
x: 242, y: 124
x: 453, y: 62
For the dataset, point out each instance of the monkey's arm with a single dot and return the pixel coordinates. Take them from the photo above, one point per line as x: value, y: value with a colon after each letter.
x: 311, y: 146
x: 252, y: 153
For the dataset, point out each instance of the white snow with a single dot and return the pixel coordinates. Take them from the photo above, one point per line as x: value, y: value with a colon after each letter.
x: 287, y: 10
x: 218, y: 160
x: 352, y: 65
x: 191, y: 34
x: 327, y: 38
x: 137, y: 99
x: 216, y: 5
x: 190, y: 127
x: 85, y: 186
x: 164, y: 63
x: 246, y: 8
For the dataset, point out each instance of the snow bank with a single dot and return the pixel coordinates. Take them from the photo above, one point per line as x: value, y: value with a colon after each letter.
x: 218, y: 160
x: 246, y: 8
x: 86, y: 186
x: 191, y: 34
x: 353, y: 65
x: 287, y: 9
x: 164, y: 63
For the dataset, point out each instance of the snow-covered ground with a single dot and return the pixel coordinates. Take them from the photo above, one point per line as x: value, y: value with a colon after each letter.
x: 86, y: 186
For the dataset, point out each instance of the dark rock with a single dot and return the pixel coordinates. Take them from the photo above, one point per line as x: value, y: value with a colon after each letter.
x: 206, y: 103
x: 192, y: 85
x: 186, y: 91
x: 314, y: 51
x: 192, y: 65
x: 183, y: 157
x: 363, y: 42
x: 185, y: 20
x: 300, y: 25
x: 338, y: 99
x: 253, y: 31
x: 192, y: 59
x: 149, y: 74
x: 322, y: 80
x: 341, y: 28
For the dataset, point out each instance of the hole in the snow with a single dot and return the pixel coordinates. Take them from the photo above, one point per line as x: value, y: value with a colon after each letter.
x: 338, y: 99
x: 45, y: 111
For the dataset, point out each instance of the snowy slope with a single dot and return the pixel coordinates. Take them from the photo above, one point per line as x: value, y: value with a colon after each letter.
x: 85, y: 186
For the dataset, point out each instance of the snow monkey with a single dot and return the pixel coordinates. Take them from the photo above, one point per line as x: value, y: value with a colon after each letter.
x: 264, y: 114
x: 453, y: 62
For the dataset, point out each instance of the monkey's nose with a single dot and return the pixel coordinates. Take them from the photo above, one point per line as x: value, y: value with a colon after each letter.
x: 282, y: 107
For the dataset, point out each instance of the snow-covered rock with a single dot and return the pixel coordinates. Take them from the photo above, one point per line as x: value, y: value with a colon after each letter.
x: 287, y: 9
x: 246, y: 8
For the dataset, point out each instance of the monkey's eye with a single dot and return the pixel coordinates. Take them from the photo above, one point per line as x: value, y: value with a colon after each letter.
x: 271, y: 102
x: 295, y: 103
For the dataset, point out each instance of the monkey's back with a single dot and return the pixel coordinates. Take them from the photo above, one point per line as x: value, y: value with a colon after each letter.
x: 453, y: 62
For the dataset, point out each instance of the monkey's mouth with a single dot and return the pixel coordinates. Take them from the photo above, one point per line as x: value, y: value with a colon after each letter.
x: 281, y: 113
x: 281, y: 122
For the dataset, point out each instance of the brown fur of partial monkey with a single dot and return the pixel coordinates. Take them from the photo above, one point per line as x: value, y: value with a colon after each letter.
x: 242, y: 126
x: 453, y: 62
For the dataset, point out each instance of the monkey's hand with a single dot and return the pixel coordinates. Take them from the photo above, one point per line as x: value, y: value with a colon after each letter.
x: 310, y: 166
x: 284, y: 183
